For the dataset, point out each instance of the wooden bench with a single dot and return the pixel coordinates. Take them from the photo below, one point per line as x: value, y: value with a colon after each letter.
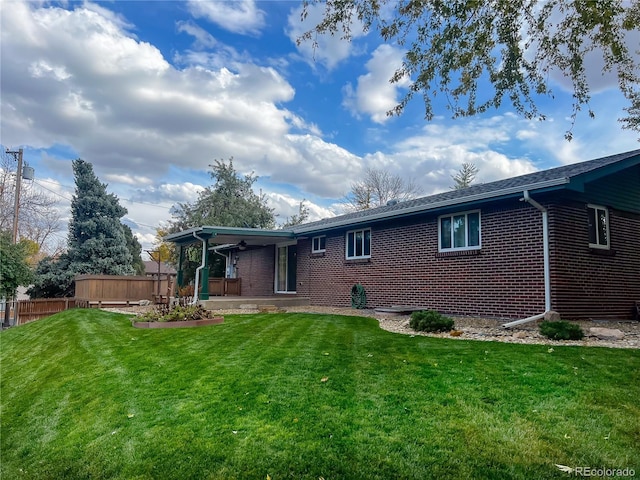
x: 112, y: 303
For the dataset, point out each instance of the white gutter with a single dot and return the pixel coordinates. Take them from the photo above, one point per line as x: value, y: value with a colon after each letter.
x: 545, y: 252
x: 196, y: 295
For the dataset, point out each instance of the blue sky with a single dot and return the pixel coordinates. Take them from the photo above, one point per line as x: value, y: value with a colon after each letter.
x: 152, y: 92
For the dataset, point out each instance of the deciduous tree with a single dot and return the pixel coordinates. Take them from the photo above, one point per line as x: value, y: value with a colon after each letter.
x: 376, y: 188
x: 39, y: 217
x: 14, y: 265
x: 478, y: 54
x: 230, y: 202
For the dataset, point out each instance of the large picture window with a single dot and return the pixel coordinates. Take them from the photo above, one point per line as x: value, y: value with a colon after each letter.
x: 358, y: 244
x: 598, y: 226
x: 460, y: 231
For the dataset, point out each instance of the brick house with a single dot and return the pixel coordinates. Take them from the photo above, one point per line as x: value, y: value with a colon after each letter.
x: 564, y: 239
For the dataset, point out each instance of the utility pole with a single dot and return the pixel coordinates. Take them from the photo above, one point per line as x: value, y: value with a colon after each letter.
x: 17, y: 155
x: 16, y: 207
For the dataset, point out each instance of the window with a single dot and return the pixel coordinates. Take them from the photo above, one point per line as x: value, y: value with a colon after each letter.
x: 318, y: 244
x: 459, y: 232
x: 598, y: 226
x: 358, y: 244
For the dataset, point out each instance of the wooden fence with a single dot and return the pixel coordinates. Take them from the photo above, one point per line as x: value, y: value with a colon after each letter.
x: 111, y: 288
x: 224, y: 286
x: 29, y: 310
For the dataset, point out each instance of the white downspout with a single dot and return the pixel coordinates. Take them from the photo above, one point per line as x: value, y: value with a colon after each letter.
x: 545, y: 252
x: 196, y: 295
x: 226, y: 261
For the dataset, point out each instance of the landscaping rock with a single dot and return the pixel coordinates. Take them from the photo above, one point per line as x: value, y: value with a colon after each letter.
x: 520, y: 334
x: 552, y: 316
x: 606, y: 333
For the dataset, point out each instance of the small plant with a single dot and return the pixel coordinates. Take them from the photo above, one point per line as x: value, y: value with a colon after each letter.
x: 561, y: 330
x: 176, y: 313
x: 430, y: 321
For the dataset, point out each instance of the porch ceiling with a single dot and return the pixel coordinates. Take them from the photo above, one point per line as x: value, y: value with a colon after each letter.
x: 231, y: 236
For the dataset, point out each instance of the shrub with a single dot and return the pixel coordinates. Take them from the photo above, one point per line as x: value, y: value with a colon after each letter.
x: 430, y: 321
x: 176, y: 313
x: 561, y: 330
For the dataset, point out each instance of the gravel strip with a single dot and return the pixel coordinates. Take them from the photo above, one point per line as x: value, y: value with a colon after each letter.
x: 481, y: 329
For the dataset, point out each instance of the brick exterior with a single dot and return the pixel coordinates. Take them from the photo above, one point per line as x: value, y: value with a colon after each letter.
x: 591, y: 283
x: 256, y: 268
x: 504, y: 279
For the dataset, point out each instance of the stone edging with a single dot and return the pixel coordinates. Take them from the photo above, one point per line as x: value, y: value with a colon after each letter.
x: 188, y: 323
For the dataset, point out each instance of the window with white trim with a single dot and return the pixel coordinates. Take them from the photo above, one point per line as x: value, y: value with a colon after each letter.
x: 318, y: 244
x: 460, y: 231
x: 358, y: 244
x: 598, y: 226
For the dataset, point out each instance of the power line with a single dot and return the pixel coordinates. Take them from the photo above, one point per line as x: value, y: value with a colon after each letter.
x: 52, y: 191
x: 164, y: 207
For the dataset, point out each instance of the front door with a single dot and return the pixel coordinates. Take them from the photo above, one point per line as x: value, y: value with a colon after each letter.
x: 286, y: 265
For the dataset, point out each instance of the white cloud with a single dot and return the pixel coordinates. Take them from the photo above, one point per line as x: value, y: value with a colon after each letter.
x: 77, y: 79
x: 329, y: 50
x: 238, y: 16
x: 285, y: 206
x: 374, y: 94
x: 203, y: 39
x: 127, y: 179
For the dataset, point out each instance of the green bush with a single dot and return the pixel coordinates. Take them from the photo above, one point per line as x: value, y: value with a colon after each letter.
x: 561, y: 330
x: 176, y: 313
x: 430, y: 321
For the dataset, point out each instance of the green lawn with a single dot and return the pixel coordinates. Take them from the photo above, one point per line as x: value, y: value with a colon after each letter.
x: 85, y: 395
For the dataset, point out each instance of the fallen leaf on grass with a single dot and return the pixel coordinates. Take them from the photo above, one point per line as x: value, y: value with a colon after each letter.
x: 131, y: 415
x: 324, y: 379
x: 326, y: 353
x: 550, y: 350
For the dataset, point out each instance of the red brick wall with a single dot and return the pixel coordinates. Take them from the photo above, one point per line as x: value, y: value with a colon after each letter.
x: 256, y: 268
x: 504, y: 280
x: 588, y: 283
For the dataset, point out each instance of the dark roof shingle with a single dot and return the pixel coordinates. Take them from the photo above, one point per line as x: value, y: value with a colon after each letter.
x: 551, y: 176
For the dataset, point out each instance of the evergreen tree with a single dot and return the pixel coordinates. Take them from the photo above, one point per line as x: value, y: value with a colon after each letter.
x: 97, y: 242
x: 135, y: 249
x: 53, y: 278
x: 298, y: 218
x: 465, y: 176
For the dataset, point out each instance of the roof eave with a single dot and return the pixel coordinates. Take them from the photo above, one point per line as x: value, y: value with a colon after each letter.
x: 495, y: 195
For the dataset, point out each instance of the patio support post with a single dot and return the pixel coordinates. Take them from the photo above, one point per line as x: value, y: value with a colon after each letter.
x: 180, y: 276
x: 204, y: 289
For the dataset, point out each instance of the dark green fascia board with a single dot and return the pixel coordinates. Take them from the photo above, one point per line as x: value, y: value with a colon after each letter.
x: 207, y: 232
x: 577, y: 182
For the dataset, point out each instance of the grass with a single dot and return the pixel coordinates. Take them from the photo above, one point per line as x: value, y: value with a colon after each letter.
x: 85, y: 395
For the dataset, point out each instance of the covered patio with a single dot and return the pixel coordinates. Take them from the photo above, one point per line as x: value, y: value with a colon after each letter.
x: 227, y: 242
